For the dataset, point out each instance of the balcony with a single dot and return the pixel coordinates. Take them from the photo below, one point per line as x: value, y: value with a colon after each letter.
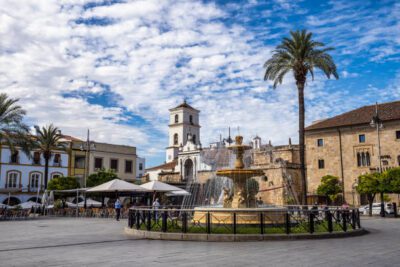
x: 36, y: 162
x: 57, y: 164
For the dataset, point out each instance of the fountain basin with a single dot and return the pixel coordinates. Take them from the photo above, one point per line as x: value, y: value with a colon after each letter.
x: 227, y: 216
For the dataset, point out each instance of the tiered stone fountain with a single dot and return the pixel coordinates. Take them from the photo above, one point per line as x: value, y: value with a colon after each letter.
x: 240, y: 199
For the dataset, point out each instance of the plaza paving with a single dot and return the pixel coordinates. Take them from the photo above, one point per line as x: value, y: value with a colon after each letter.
x: 102, y: 242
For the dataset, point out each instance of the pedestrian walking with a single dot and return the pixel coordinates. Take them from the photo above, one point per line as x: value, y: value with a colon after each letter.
x: 117, y: 206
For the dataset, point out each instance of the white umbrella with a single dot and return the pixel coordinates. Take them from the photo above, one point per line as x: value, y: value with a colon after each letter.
x: 3, y: 206
x: 117, y: 185
x: 29, y: 205
x: 157, y: 186
x: 90, y: 202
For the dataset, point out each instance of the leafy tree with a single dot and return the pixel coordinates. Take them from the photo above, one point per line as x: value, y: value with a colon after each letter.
x: 102, y: 176
x: 63, y: 183
x: 330, y: 187
x: 300, y: 54
x: 369, y: 184
x: 13, y: 132
x: 47, y: 140
x: 392, y: 180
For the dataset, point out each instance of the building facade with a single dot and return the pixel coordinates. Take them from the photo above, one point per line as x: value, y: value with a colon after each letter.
x: 21, y: 177
x: 122, y: 159
x: 346, y: 146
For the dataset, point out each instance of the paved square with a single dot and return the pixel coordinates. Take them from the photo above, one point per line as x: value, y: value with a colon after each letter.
x: 101, y: 242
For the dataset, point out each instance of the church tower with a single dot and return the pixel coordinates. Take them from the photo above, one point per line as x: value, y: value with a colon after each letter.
x: 183, y: 121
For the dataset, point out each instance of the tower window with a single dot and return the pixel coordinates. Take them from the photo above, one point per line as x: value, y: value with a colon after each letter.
x: 176, y: 118
x: 175, y: 139
x: 321, y: 164
x: 191, y: 119
x: 320, y: 142
x: 194, y: 139
x: 361, y: 138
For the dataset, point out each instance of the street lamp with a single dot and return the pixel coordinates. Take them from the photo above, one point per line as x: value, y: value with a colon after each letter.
x: 354, y: 187
x: 87, y: 147
x: 376, y: 122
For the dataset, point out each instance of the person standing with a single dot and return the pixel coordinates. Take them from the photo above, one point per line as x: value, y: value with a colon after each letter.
x: 156, y: 206
x: 117, y: 207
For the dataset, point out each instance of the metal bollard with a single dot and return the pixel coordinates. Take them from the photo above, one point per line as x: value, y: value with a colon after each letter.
x: 164, y: 221
x: 287, y: 223
x: 261, y: 223
x: 311, y: 222
x: 208, y: 223
x: 184, y: 222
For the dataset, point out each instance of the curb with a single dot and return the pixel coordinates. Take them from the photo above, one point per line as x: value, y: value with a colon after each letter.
x: 238, y: 238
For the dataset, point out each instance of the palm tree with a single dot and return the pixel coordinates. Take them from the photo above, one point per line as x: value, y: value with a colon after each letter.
x: 13, y: 132
x: 300, y: 55
x: 47, y: 140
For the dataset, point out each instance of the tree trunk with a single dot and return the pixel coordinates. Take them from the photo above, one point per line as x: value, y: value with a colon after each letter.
x: 46, y: 171
x: 382, y: 206
x: 370, y: 201
x: 300, y: 89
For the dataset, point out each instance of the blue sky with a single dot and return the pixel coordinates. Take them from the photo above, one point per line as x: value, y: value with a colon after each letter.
x: 116, y: 67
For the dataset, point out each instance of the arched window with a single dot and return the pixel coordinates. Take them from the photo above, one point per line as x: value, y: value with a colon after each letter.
x: 34, y: 181
x: 398, y: 160
x: 194, y: 139
x: 368, y: 159
x: 56, y: 175
x: 12, y: 180
x: 359, y: 159
x: 176, y: 118
x: 14, y: 157
x: 191, y: 119
x: 363, y: 159
x: 175, y: 139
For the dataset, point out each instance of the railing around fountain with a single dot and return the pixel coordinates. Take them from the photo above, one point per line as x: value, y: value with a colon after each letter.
x: 290, y: 220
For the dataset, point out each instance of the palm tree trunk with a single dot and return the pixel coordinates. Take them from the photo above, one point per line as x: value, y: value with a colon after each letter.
x: 300, y: 89
x: 46, y: 171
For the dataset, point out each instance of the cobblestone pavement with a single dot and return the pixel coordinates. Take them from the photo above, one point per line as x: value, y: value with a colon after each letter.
x: 101, y: 242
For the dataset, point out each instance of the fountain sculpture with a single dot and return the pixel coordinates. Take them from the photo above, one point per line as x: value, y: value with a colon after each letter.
x: 239, y: 175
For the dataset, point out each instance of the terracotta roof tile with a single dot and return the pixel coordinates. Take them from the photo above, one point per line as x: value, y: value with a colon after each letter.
x: 166, y: 166
x: 387, y: 112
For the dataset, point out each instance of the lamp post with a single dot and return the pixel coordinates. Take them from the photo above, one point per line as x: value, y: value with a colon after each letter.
x: 353, y: 187
x: 376, y: 122
x: 87, y: 147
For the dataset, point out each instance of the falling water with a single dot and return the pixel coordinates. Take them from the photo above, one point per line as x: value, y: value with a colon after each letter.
x: 211, y: 193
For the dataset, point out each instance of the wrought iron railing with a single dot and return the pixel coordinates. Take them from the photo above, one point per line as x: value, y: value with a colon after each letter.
x: 245, y: 221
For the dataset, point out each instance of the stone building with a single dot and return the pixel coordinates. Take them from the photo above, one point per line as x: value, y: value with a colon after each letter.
x: 346, y: 146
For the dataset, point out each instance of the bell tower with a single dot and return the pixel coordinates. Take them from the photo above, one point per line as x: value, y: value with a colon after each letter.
x: 183, y: 121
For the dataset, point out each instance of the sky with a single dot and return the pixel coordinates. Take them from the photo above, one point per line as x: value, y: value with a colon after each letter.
x: 116, y: 67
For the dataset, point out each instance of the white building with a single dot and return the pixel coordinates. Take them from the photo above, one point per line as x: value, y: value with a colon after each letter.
x: 21, y: 176
x: 140, y: 167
